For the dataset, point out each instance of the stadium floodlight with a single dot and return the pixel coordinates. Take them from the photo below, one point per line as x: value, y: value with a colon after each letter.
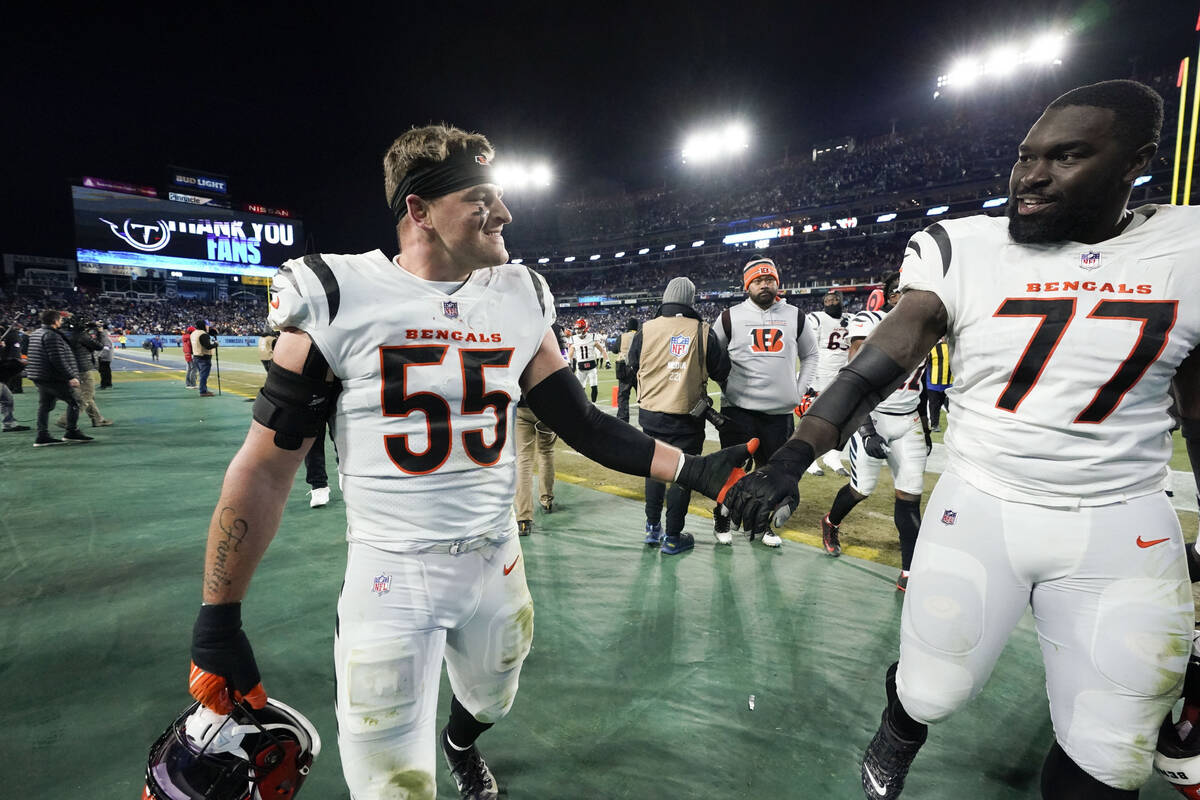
x: 643, y: 251
x: 620, y: 254
x: 516, y: 261
x: 568, y: 259
x: 543, y: 260
x: 1141, y: 179
x: 994, y: 202
x: 1003, y: 60
x: 595, y: 257
x: 886, y: 217
x: 1047, y: 48
x: 714, y: 143
x: 516, y: 175
x: 698, y: 243
x: 936, y: 210
x: 668, y: 248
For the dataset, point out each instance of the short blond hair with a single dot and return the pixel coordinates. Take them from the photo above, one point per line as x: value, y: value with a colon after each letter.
x: 431, y: 144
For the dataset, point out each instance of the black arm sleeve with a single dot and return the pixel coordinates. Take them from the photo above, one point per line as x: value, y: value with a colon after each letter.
x: 861, y: 385
x: 559, y: 401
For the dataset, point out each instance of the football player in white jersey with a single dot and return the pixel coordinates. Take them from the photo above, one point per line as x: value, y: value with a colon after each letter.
x: 896, y: 433
x: 586, y: 352
x: 833, y: 345
x: 415, y: 361
x: 1068, y: 321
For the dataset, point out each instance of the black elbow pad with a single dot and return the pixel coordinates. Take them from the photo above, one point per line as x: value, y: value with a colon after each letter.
x: 294, y: 406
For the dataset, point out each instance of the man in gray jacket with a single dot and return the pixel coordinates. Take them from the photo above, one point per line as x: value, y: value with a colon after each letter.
x: 53, y: 369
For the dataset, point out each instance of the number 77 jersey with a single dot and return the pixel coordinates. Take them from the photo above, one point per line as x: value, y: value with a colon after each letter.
x: 1063, y: 353
x: 429, y: 373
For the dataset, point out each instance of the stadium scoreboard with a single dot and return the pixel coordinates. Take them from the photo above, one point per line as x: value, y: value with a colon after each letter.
x: 131, y: 231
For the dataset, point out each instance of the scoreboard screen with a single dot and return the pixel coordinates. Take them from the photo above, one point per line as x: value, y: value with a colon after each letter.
x: 134, y: 231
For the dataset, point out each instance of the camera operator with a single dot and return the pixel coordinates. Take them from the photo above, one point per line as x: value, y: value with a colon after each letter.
x: 84, y: 338
x: 673, y: 356
x: 53, y: 369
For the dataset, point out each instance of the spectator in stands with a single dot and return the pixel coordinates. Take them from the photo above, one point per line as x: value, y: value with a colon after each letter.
x: 764, y: 337
x: 52, y: 368
x: 104, y: 359
x: 673, y: 357
x: 189, y: 380
x: 84, y: 339
x: 626, y: 377
x: 203, y: 347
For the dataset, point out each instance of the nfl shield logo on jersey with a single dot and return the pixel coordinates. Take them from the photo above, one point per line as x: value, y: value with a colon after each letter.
x: 680, y: 345
x: 1090, y: 260
x: 450, y: 309
x: 948, y: 517
x: 382, y: 584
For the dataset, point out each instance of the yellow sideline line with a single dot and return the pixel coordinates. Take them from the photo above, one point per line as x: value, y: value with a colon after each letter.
x: 813, y: 540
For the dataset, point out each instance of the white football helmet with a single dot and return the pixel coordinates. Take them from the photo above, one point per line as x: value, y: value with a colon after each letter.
x: 1177, y: 757
x: 251, y: 754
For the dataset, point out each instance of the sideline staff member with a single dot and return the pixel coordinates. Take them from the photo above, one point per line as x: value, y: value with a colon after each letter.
x: 764, y: 336
x: 673, y: 357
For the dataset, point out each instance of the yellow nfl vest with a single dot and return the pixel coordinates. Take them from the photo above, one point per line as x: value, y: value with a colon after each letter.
x: 672, y: 375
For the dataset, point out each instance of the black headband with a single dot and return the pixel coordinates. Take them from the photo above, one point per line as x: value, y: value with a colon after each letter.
x: 462, y: 168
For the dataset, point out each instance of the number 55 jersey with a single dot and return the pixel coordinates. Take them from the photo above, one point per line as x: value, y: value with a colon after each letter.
x: 429, y: 374
x: 1063, y: 353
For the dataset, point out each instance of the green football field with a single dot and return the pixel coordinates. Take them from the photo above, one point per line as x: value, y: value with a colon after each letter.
x: 728, y: 672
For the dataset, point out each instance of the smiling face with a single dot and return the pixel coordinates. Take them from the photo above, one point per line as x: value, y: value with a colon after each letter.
x: 469, y: 223
x: 1072, y: 178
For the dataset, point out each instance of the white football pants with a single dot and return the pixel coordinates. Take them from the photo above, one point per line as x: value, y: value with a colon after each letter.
x: 1111, y: 601
x: 398, y: 615
x: 906, y: 455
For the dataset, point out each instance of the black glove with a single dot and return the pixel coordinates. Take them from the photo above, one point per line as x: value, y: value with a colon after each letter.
x: 713, y: 474
x: 928, y: 441
x: 222, y: 661
x: 875, y: 445
x: 769, y: 495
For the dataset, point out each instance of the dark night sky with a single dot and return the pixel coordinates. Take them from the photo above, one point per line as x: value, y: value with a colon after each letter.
x: 297, y: 105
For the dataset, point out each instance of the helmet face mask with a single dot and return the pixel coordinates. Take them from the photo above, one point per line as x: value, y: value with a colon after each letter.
x: 253, y: 754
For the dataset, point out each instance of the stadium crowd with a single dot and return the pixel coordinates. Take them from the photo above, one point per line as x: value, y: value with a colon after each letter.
x: 240, y: 317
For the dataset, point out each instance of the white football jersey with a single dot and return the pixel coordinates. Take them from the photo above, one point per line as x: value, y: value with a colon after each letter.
x: 907, y: 396
x: 424, y: 424
x: 587, y: 347
x: 1063, y: 353
x: 832, y: 346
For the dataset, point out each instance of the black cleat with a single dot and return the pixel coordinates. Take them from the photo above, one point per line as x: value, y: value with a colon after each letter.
x: 77, y: 436
x: 829, y: 537
x: 902, y: 581
x: 886, y: 762
x: 16, y: 428
x: 524, y: 527
x: 475, y: 781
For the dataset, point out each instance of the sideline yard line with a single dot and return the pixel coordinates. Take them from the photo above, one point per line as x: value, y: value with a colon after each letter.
x: 813, y: 540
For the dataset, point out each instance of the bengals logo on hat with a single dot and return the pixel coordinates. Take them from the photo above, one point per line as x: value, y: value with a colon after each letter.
x: 482, y: 159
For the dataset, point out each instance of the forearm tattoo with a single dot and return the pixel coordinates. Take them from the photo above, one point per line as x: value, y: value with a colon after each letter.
x: 234, y: 529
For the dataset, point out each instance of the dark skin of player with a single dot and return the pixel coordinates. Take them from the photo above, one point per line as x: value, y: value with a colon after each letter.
x: 1070, y: 160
